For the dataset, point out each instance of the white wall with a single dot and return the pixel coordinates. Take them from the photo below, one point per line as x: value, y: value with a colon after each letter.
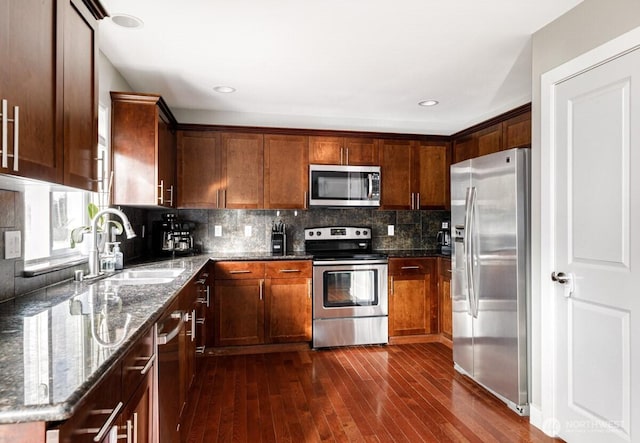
x: 109, y: 79
x: 585, y: 27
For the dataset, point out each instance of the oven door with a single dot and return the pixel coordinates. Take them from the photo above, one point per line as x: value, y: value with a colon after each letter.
x: 349, y: 288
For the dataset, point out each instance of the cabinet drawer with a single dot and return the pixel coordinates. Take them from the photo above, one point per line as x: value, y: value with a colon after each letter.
x: 137, y: 363
x: 288, y: 269
x: 403, y: 266
x: 239, y: 270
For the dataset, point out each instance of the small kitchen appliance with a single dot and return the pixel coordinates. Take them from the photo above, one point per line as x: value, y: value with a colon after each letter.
x: 444, y: 238
x: 173, y: 236
x: 340, y: 185
x: 350, y: 295
x: 278, y: 238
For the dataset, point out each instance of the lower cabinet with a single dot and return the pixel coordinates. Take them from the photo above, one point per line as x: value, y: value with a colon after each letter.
x: 261, y: 302
x: 413, y: 304
x: 444, y: 294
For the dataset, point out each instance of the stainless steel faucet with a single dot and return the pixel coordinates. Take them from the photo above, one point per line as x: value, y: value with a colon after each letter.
x: 94, y: 252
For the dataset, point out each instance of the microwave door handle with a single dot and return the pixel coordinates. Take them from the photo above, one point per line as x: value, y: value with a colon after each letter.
x: 370, y: 176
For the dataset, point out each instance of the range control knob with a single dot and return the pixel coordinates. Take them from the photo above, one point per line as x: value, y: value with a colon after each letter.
x: 318, y: 233
x: 357, y: 232
x: 310, y: 233
x: 364, y: 232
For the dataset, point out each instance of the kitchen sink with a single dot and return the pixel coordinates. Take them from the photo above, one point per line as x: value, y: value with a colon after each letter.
x: 145, y: 276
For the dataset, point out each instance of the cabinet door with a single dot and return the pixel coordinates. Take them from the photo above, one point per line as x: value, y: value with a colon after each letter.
x: 288, y: 310
x: 286, y: 171
x: 198, y: 170
x: 30, y: 79
x: 239, y: 312
x: 361, y: 151
x: 432, y: 175
x: 80, y: 97
x: 489, y: 140
x: 166, y: 163
x: 326, y: 150
x: 396, y: 160
x: 137, y: 418
x: 464, y: 149
x: 242, y: 170
x: 516, y: 131
x: 444, y: 290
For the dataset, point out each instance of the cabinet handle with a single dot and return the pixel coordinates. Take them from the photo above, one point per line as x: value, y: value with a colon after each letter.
x: 135, y: 427
x: 309, y: 286
x: 418, y: 201
x: 200, y: 349
x: 170, y: 191
x: 224, y: 198
x: 106, y: 427
x: 193, y: 325
x: 16, y: 130
x: 410, y: 267
x: 200, y: 321
x: 217, y: 198
x: 242, y: 271
x: 341, y: 162
x: 165, y: 338
x: 412, y: 203
x: 304, y: 204
x: 289, y: 270
x: 392, y: 285
x: 347, y: 149
x: 261, y: 288
x: 205, y: 300
x: 144, y: 369
x: 161, y: 187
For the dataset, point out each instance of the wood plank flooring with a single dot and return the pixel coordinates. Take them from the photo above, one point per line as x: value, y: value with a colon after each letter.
x: 400, y: 393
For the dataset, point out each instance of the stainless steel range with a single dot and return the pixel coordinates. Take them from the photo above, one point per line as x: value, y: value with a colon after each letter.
x: 350, y: 300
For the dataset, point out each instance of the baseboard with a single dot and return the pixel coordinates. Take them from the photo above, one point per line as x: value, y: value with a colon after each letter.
x: 535, y: 416
x: 425, y: 338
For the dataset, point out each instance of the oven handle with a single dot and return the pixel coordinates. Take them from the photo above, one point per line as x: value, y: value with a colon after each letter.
x: 330, y: 263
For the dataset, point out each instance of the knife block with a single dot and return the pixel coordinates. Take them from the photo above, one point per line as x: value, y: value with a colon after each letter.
x: 278, y: 243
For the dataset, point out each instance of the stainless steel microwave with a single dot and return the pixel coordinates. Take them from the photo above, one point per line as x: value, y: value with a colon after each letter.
x: 335, y: 185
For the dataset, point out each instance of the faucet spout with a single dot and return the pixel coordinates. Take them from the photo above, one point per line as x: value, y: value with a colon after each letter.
x: 94, y: 253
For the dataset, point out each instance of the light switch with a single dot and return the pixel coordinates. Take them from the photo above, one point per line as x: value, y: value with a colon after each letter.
x: 247, y: 231
x: 12, y: 244
x: 390, y: 230
x: 217, y: 231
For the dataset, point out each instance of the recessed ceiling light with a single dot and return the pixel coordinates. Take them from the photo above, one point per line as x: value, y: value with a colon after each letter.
x: 224, y: 89
x: 428, y: 103
x: 127, y: 21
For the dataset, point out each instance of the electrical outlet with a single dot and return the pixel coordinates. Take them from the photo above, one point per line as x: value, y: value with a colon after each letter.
x: 12, y: 244
x: 247, y: 231
x: 390, y: 230
x: 217, y: 231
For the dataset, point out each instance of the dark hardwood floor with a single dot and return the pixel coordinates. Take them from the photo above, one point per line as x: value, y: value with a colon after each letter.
x: 400, y: 393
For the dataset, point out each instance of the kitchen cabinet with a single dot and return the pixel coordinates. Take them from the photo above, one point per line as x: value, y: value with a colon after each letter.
x: 415, y: 175
x: 286, y: 171
x: 288, y: 301
x: 516, y: 131
x: 464, y: 148
x: 50, y: 88
x: 413, y: 304
x: 242, y: 170
x: 262, y: 302
x: 489, y: 140
x: 444, y: 294
x: 198, y: 169
x: 358, y: 151
x: 143, y: 145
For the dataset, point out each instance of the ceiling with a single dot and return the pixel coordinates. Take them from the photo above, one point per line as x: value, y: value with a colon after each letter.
x: 332, y: 64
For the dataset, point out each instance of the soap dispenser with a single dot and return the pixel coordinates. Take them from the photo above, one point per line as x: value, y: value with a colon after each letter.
x: 119, y: 256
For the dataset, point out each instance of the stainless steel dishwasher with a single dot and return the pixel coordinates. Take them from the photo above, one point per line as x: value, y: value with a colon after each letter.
x: 171, y: 335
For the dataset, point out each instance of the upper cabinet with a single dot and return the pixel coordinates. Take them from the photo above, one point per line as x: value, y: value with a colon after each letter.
x: 415, y: 174
x: 510, y: 130
x: 359, y: 151
x: 286, y: 171
x: 48, y: 88
x: 143, y: 144
x: 199, y: 169
x: 241, y: 166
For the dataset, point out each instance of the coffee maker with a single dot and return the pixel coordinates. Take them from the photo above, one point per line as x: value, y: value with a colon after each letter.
x: 444, y: 238
x: 172, y: 236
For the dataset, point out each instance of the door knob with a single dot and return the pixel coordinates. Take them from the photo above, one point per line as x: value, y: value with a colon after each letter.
x: 566, y: 280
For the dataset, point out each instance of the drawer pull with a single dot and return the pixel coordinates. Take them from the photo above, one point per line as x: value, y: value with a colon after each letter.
x: 200, y: 349
x: 106, y: 427
x: 244, y: 271
x: 144, y: 369
x: 289, y: 270
x: 410, y: 267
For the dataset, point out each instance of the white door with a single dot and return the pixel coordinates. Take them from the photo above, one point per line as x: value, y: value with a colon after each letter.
x: 596, y: 133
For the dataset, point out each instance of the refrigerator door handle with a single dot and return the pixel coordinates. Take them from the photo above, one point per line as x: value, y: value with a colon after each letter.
x: 466, y: 247
x: 470, y: 250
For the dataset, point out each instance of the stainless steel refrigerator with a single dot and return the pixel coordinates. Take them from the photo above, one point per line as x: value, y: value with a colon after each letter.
x: 490, y: 207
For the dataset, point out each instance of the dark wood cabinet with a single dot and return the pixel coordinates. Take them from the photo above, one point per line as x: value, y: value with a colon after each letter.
x: 516, y: 131
x: 286, y: 171
x: 198, y: 170
x: 262, y: 302
x: 415, y: 175
x: 464, y: 149
x: 50, y: 76
x: 489, y: 140
x: 444, y: 294
x: 343, y: 151
x: 413, y: 304
x: 242, y: 170
x: 288, y: 297
x: 143, y: 145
